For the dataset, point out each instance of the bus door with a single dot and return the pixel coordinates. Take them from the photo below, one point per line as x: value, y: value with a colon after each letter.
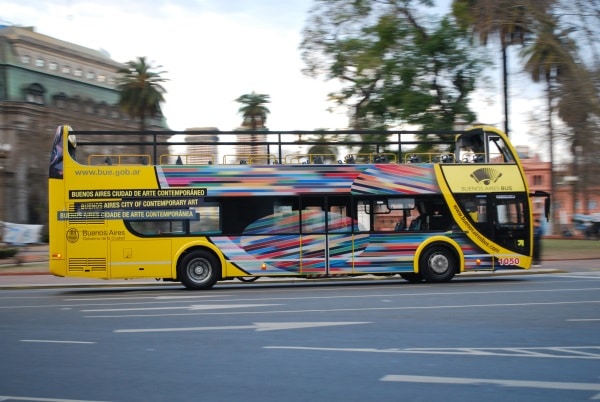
x: 501, y: 217
x: 512, y: 228
x: 326, y: 240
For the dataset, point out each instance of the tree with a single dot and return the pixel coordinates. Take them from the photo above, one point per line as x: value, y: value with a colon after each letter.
x: 253, y: 110
x: 141, y: 90
x: 548, y: 59
x: 579, y: 104
x: 141, y: 93
x: 394, y: 68
x: 509, y: 20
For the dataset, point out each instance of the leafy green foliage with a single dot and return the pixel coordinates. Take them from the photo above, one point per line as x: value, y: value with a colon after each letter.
x: 253, y: 109
x: 394, y: 68
x: 8, y: 252
x: 141, y: 90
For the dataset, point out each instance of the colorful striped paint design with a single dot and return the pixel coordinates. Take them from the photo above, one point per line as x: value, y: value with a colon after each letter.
x: 244, y: 180
x: 362, y: 253
x: 275, y: 241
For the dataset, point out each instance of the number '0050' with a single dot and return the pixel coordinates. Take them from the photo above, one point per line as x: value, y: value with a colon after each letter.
x: 509, y: 261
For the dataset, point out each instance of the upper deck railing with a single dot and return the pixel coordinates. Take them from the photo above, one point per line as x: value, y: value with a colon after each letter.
x: 288, y: 147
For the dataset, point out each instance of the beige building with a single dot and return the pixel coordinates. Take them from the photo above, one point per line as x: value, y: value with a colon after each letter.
x: 45, y: 82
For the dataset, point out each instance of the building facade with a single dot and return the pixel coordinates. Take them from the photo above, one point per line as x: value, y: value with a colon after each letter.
x: 45, y: 82
x: 572, y: 193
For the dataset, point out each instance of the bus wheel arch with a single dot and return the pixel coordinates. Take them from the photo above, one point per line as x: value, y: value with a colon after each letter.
x: 199, y: 268
x: 439, y: 262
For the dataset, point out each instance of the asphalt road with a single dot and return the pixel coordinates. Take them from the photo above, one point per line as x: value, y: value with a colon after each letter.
x: 517, y: 338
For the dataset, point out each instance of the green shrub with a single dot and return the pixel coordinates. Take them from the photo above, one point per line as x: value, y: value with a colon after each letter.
x: 6, y: 252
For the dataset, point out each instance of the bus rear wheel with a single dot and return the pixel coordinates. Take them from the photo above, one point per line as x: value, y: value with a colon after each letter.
x: 199, y: 269
x: 438, y: 264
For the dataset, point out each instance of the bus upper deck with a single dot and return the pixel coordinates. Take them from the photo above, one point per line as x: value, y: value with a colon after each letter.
x: 478, y: 145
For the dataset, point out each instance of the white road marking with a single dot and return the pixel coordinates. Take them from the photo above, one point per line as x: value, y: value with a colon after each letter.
x: 109, y: 298
x: 556, y: 352
x: 442, y: 307
x: 178, y: 299
x: 257, y: 326
x: 571, y: 386
x: 54, y: 341
x: 583, y: 276
x: 193, y: 307
x: 222, y: 306
x: 33, y: 399
x: 583, y: 319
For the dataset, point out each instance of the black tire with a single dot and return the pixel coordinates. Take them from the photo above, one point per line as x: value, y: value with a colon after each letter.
x: 199, y: 269
x: 438, y: 264
x: 412, y: 277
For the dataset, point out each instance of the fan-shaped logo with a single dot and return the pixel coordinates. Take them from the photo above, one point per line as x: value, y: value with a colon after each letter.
x: 486, y: 175
x: 72, y: 235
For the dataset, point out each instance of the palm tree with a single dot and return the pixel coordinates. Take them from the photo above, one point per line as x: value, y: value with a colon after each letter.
x: 253, y: 110
x: 548, y: 59
x: 141, y: 92
x: 510, y: 20
x: 255, y: 116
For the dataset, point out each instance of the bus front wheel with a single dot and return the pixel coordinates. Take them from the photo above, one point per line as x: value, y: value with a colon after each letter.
x: 438, y: 264
x: 199, y: 269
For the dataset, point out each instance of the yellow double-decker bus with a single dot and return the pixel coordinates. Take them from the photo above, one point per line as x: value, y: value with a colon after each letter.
x: 121, y: 209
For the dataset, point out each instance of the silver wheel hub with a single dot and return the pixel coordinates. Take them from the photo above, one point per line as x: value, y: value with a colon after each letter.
x: 198, y: 269
x: 439, y: 263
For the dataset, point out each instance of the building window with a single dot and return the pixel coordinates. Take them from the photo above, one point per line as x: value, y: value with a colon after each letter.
x: 60, y: 99
x: 39, y: 62
x: 34, y: 93
x: 537, y: 180
x: 25, y: 59
x: 90, y: 75
x: 101, y: 78
x: 78, y: 72
x: 53, y: 66
x: 66, y: 70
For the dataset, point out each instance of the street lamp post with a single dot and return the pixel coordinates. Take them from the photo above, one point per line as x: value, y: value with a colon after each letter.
x: 4, y: 152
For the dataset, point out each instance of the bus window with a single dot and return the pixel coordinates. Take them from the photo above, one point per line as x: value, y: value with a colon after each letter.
x: 509, y: 210
x: 471, y: 147
x: 156, y: 227
x: 440, y: 217
x: 338, y: 216
x: 209, y: 219
x: 363, y: 215
x: 312, y: 215
x: 498, y: 151
x: 475, y: 206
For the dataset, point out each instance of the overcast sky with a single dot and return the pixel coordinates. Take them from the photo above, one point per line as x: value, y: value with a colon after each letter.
x: 213, y: 52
